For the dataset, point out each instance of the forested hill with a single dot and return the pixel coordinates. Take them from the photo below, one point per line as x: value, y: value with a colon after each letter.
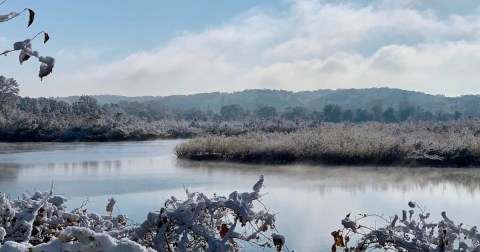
x: 313, y: 100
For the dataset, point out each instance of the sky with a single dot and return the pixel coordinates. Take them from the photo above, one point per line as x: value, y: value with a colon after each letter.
x: 159, y: 47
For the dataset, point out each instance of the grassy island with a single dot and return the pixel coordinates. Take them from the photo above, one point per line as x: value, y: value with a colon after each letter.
x: 454, y: 143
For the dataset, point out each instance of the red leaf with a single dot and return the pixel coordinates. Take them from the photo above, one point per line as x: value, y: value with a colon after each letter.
x: 46, y: 37
x: 31, y: 17
x: 23, y: 57
x: 223, y: 230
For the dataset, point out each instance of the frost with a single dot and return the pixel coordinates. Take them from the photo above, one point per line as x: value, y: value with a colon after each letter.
x: 57, y: 200
x: 23, y: 45
x: 46, y: 67
x: 453, y: 143
x: 4, y: 18
x: 84, y: 239
x: 40, y: 222
x: 409, y: 234
x: 10, y: 246
x: 3, y: 233
x: 349, y: 224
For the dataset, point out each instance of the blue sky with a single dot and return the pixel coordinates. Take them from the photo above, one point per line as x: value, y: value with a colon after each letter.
x: 153, y: 47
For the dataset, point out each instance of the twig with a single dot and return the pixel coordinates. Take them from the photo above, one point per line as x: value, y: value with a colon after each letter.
x: 15, y: 15
x: 37, y: 35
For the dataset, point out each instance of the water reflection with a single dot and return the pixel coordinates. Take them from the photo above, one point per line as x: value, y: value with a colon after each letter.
x: 9, y: 148
x: 351, y: 178
x: 9, y: 172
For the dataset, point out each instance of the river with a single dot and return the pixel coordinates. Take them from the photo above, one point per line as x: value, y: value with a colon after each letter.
x: 309, y: 200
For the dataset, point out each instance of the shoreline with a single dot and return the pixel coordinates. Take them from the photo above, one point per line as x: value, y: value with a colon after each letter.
x: 336, y: 162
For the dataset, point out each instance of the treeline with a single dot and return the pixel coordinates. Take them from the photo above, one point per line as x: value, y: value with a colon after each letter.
x: 155, y: 110
x: 44, y: 119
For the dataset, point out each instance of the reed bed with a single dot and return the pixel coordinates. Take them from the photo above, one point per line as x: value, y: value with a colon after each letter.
x: 454, y: 143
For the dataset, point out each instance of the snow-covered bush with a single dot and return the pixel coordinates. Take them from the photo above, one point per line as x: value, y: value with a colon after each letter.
x: 410, y: 232
x: 41, y: 222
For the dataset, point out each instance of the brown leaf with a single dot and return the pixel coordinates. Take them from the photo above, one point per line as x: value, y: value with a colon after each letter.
x: 223, y: 230
x: 23, y: 57
x: 31, y: 17
x: 338, y: 239
x: 264, y: 228
x: 45, y: 37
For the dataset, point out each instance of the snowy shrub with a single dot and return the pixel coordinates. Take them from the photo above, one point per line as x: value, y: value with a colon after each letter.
x: 410, y: 232
x: 40, y: 222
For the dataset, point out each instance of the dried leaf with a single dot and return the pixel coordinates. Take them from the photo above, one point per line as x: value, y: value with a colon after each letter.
x: 223, y: 230
x: 338, y: 239
x: 31, y: 17
x: 278, y: 241
x: 111, y: 201
x: 46, y: 37
x: 411, y: 204
x: 23, y: 57
x: 45, y: 69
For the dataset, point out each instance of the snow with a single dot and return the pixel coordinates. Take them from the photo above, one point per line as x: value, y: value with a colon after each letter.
x: 4, y: 18
x: 40, y: 222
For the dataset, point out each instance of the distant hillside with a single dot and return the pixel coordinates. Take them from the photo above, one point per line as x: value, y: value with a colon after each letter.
x: 313, y: 100
x: 107, y: 99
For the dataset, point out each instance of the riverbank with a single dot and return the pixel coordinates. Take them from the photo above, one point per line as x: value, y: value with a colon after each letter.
x: 454, y: 143
x: 135, y: 130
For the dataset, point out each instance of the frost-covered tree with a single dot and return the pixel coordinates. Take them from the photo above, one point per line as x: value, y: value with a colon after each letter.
x: 25, y: 46
x: 8, y: 95
x: 265, y: 111
x: 232, y: 112
x: 86, y: 105
x: 8, y: 89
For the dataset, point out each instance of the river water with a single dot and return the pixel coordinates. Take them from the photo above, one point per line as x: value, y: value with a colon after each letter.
x: 310, y: 201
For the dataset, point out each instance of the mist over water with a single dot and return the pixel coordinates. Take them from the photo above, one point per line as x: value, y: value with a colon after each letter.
x: 310, y: 200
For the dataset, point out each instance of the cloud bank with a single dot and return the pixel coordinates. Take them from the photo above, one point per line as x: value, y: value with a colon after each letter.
x: 308, y: 45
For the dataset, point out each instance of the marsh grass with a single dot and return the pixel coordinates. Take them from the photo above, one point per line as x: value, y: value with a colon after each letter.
x: 455, y: 143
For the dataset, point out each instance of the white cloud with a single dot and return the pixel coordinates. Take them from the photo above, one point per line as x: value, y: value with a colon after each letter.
x: 312, y: 45
x: 84, y: 54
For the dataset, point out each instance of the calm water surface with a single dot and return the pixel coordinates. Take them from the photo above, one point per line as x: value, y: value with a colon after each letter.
x: 310, y: 200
